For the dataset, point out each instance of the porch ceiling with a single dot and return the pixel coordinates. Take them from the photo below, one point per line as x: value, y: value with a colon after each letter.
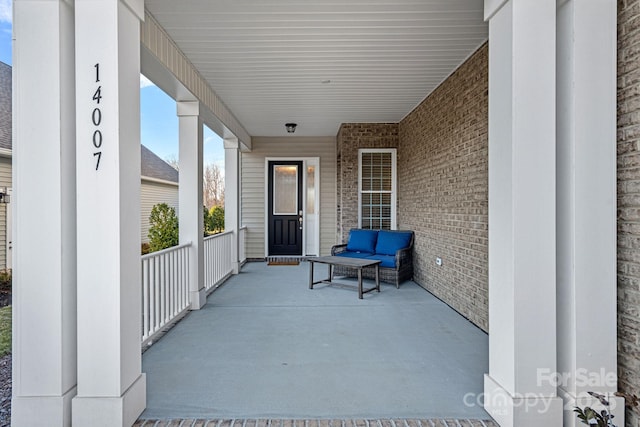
x: 267, y: 60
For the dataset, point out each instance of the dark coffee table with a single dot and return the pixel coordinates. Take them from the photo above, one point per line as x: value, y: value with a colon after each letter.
x: 357, y: 263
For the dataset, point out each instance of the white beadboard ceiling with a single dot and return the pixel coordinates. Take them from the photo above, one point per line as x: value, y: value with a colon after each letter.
x: 267, y: 59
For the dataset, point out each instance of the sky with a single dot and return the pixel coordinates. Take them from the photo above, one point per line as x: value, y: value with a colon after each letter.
x: 5, y: 31
x: 159, y: 123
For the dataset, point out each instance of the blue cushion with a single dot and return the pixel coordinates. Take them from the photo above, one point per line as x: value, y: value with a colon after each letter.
x: 362, y: 241
x: 388, y: 261
x: 391, y: 241
x: 354, y: 254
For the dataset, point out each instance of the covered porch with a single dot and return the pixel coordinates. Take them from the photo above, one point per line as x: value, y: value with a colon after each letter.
x: 266, y: 346
x: 502, y: 173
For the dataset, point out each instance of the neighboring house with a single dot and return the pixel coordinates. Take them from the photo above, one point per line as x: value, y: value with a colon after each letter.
x: 158, y: 181
x: 5, y: 164
x: 158, y: 184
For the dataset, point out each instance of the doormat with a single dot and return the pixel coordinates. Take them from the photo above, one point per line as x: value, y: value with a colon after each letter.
x: 282, y: 261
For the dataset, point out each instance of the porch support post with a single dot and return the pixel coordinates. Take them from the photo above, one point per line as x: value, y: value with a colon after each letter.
x: 232, y: 196
x: 111, y: 387
x: 44, y: 268
x: 522, y: 209
x: 586, y: 173
x: 190, y: 196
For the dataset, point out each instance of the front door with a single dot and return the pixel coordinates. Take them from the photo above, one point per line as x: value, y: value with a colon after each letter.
x: 285, y: 212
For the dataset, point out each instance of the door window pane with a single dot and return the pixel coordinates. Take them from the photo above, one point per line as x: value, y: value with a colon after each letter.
x: 285, y: 190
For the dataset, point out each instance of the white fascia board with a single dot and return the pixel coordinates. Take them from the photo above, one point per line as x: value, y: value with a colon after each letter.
x: 158, y: 181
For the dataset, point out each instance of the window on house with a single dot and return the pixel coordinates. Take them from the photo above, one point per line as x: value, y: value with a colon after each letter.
x: 377, y: 188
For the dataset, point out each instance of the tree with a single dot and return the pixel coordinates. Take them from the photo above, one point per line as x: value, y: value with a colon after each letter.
x: 212, y: 186
x: 163, y: 227
x: 173, y: 162
x: 216, y: 219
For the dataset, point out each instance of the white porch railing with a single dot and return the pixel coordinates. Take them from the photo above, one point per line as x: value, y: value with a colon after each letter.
x: 219, y: 258
x: 165, y: 279
x: 165, y: 288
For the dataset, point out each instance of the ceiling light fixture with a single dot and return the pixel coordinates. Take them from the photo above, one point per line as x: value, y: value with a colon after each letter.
x: 291, y: 127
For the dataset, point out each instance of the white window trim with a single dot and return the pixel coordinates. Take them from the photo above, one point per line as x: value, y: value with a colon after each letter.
x: 394, y: 189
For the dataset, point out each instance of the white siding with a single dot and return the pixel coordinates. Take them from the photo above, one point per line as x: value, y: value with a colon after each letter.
x: 5, y: 181
x: 152, y: 193
x: 253, y: 186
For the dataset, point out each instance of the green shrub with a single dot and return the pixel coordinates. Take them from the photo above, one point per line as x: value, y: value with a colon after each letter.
x: 163, y: 227
x: 5, y: 330
x: 206, y: 220
x: 5, y: 280
x: 144, y: 248
x: 216, y: 219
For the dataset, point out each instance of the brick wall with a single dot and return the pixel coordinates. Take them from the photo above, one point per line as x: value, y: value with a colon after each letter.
x: 629, y: 201
x: 443, y: 188
x: 351, y: 137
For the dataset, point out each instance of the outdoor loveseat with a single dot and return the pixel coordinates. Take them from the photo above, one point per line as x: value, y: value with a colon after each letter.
x: 392, y: 247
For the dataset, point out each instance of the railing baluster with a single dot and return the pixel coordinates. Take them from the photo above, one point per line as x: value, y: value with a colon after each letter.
x: 170, y: 289
x: 152, y: 294
x: 145, y: 298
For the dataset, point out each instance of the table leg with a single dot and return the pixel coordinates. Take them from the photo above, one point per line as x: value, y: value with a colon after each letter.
x: 360, y: 283
x: 378, y: 277
x: 330, y: 272
x: 311, y: 274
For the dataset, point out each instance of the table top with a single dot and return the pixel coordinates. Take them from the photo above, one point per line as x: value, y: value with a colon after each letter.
x: 344, y: 261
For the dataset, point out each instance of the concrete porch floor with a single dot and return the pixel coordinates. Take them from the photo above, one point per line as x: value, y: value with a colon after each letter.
x: 265, y: 346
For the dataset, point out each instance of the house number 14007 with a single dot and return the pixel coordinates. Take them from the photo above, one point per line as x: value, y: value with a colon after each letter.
x: 96, y: 119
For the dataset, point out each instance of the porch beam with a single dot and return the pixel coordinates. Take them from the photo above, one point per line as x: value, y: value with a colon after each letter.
x: 163, y: 50
x: 522, y: 264
x: 111, y: 387
x: 44, y: 268
x: 586, y: 240
x: 190, y: 196
x: 232, y: 195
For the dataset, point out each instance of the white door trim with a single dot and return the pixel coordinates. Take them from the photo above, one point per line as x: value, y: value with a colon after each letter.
x: 305, y: 162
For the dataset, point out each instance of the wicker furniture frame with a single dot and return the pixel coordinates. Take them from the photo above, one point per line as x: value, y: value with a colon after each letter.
x: 402, y: 272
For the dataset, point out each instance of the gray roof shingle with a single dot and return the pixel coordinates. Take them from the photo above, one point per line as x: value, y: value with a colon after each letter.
x: 5, y: 106
x: 153, y: 166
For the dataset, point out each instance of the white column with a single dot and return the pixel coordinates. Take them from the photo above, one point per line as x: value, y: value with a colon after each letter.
x: 522, y: 262
x: 232, y: 195
x: 44, y: 261
x: 190, y: 196
x: 111, y: 387
x: 586, y: 241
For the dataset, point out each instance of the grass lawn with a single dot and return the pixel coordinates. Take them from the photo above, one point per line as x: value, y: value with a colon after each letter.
x: 5, y: 330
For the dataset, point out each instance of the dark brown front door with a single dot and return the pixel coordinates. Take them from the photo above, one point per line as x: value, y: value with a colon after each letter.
x: 285, y: 207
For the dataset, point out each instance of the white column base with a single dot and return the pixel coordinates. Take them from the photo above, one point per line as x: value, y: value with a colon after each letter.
x: 236, y: 268
x: 42, y: 410
x: 198, y: 299
x: 112, y: 411
x: 527, y: 410
x: 571, y: 401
